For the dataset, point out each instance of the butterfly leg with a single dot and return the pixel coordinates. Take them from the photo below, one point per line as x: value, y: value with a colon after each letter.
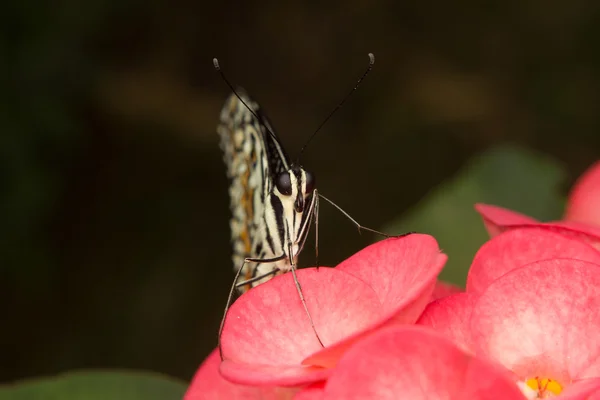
x: 299, y: 288
x: 235, y: 284
x: 359, y: 226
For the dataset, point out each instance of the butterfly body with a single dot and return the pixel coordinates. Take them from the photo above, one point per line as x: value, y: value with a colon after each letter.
x: 272, y: 200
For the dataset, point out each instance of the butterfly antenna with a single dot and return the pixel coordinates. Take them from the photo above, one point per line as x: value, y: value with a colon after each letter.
x: 364, y: 75
x: 218, y: 68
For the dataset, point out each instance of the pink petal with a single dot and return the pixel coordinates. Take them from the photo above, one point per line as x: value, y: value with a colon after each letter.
x: 584, y: 199
x: 450, y: 316
x: 578, y: 230
x: 272, y: 375
x: 497, y: 219
x: 403, y: 272
x: 443, y: 289
x: 582, y: 390
x: 267, y: 333
x: 517, y: 247
x: 411, y: 362
x: 208, y: 384
x: 542, y: 319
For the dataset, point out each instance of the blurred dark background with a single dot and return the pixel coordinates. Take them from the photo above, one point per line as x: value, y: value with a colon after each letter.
x: 113, y: 205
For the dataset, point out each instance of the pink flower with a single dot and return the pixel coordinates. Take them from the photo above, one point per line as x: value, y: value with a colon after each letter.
x: 521, y: 246
x: 268, y: 341
x: 525, y: 327
x: 498, y: 220
x: 410, y: 362
x: 533, y: 305
x: 584, y: 199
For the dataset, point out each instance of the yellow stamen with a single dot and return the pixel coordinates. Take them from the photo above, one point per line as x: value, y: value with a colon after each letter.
x: 545, y: 387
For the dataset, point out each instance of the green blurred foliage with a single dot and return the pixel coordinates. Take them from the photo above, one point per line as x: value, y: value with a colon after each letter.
x: 96, y: 385
x: 505, y: 176
x: 113, y: 203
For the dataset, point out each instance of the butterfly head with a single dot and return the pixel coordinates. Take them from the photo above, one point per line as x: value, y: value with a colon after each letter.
x: 296, y: 183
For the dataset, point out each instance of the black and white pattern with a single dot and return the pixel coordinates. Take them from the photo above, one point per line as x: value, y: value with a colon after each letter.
x: 272, y: 200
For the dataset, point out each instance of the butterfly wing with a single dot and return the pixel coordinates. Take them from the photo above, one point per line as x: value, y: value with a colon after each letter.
x: 254, y: 157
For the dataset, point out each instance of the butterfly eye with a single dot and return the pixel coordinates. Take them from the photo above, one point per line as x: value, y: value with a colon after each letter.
x: 284, y: 183
x: 310, y: 182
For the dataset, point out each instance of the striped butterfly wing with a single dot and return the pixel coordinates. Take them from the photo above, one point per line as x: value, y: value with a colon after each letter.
x: 254, y: 157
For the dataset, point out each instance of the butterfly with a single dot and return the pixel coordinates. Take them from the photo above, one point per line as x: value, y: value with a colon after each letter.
x: 273, y: 201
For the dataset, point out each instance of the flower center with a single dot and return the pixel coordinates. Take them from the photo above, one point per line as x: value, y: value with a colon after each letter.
x: 543, y: 388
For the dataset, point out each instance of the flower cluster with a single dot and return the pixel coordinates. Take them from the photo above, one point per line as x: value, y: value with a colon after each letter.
x: 526, y: 326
